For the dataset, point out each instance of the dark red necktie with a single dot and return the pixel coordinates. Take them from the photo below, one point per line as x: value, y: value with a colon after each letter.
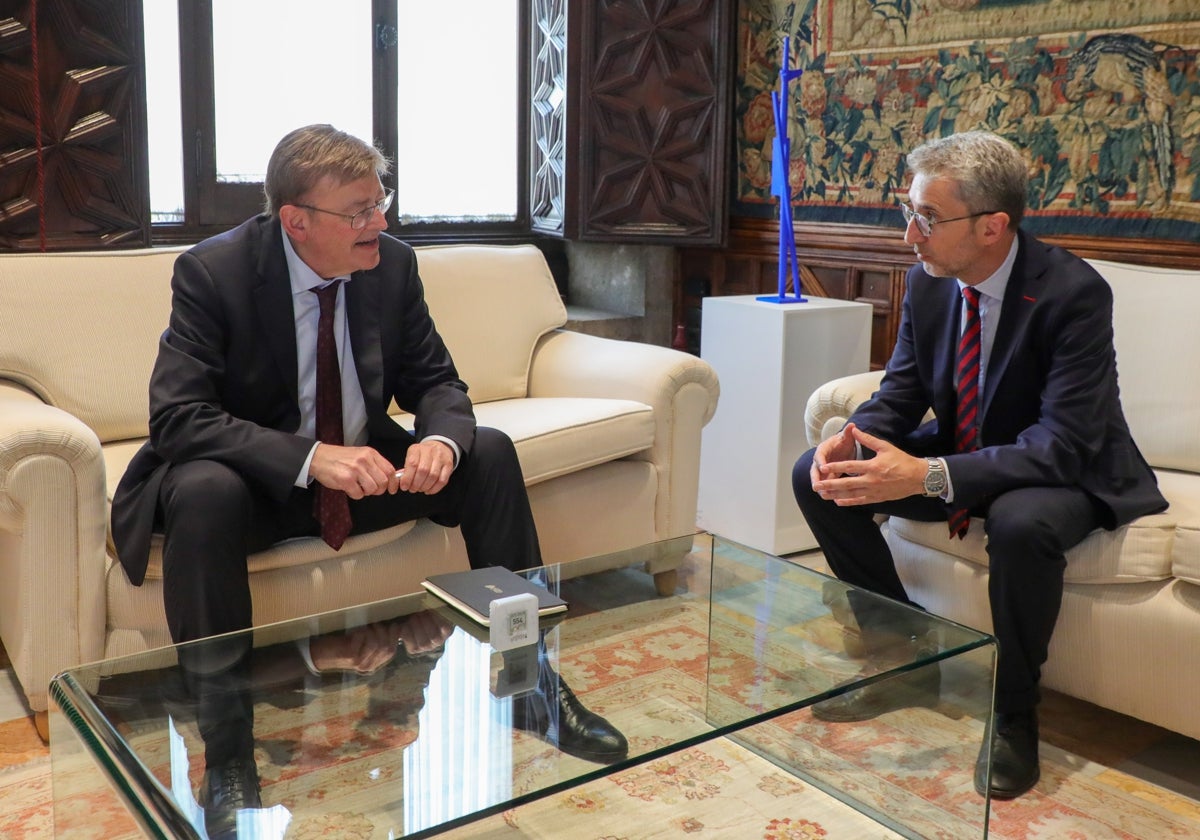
x: 966, y: 384
x: 331, y: 508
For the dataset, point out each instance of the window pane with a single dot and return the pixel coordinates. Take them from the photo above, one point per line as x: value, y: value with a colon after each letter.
x: 162, y: 112
x: 281, y: 64
x: 457, y: 98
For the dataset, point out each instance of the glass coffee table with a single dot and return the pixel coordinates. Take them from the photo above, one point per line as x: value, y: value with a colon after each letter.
x: 435, y: 740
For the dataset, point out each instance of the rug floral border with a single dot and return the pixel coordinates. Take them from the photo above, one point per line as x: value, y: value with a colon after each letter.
x: 1109, y: 120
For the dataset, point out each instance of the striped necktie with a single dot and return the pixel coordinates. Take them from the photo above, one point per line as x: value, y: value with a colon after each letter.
x: 966, y: 384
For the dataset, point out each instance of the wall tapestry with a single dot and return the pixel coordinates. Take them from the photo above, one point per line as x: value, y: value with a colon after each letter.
x: 1103, y: 103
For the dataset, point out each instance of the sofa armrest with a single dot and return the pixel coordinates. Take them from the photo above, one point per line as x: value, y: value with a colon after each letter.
x: 681, y: 389
x: 53, y: 523
x: 831, y: 405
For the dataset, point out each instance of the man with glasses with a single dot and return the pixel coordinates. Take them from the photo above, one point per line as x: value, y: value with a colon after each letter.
x: 289, y: 337
x: 1010, y: 343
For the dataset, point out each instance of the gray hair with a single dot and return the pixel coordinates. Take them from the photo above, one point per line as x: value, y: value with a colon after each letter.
x: 989, y: 173
x: 306, y: 155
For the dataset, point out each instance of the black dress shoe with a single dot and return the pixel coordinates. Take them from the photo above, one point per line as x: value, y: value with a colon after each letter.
x: 905, y: 691
x: 226, y: 789
x: 569, y: 725
x: 1015, y: 768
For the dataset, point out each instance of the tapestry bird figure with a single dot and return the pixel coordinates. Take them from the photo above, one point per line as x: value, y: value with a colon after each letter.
x: 1132, y: 67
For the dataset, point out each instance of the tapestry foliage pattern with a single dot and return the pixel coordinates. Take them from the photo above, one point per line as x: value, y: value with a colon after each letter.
x: 1103, y: 103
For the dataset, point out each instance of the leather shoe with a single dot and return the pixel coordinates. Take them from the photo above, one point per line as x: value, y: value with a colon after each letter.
x: 226, y: 789
x: 1015, y: 768
x: 917, y: 688
x: 569, y: 725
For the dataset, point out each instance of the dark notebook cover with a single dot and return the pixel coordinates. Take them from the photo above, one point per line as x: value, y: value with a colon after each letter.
x: 472, y: 592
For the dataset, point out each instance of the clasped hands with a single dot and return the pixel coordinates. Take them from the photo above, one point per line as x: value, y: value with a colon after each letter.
x: 892, y: 474
x: 361, y: 471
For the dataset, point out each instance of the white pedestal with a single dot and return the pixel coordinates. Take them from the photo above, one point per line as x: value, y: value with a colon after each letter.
x: 770, y: 357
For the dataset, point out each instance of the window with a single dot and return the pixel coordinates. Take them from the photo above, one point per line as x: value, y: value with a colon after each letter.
x: 163, y: 112
x: 457, y: 113
x: 438, y: 86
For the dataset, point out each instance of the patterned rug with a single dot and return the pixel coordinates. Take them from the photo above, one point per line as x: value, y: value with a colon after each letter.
x: 640, y: 664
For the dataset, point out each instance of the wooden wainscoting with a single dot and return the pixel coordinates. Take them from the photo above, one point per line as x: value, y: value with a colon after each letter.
x: 851, y: 262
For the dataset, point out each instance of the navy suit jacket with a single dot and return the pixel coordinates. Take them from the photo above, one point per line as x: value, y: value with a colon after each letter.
x: 1050, y: 408
x: 225, y: 382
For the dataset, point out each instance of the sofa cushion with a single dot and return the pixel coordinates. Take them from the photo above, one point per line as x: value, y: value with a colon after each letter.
x: 553, y: 436
x: 559, y: 435
x: 1140, y: 551
x: 1183, y: 492
x: 491, y: 304
x: 58, y: 314
x: 1163, y: 413
x: 295, y: 552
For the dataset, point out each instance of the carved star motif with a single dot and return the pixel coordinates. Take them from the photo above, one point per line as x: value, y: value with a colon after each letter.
x: 84, y: 153
x: 653, y: 41
x: 649, y: 144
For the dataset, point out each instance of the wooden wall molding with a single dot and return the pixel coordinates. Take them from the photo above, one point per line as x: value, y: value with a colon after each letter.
x: 854, y: 262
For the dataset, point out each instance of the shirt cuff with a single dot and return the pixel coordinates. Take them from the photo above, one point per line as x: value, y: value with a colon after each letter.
x: 948, y: 494
x: 303, y: 479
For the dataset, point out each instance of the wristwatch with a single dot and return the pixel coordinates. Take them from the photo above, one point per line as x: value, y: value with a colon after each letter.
x: 935, y: 477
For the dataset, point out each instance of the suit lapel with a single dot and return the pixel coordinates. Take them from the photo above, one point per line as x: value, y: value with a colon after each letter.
x: 273, y: 301
x: 1020, y: 296
x: 362, y: 309
x: 947, y: 321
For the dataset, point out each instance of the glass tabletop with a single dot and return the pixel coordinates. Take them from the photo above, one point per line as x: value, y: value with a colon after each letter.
x: 403, y: 714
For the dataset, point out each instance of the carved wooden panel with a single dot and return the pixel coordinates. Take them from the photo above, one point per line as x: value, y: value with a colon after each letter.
x: 835, y: 261
x: 630, y: 119
x: 91, y: 191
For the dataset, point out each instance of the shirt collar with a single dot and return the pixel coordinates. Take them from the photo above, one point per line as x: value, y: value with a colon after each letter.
x: 997, y: 283
x: 302, y: 277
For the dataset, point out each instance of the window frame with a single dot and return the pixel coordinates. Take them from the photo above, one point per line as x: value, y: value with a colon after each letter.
x: 211, y: 207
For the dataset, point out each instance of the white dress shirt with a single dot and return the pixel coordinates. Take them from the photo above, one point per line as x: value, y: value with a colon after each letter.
x: 306, y: 309
x: 991, y: 299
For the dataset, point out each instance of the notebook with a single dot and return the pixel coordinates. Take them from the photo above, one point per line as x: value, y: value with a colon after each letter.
x: 472, y: 592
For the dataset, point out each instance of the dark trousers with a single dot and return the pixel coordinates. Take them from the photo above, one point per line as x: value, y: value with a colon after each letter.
x: 212, y: 519
x: 1028, y: 532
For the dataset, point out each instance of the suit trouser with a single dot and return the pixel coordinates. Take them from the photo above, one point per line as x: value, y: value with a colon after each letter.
x: 1028, y: 532
x: 212, y: 519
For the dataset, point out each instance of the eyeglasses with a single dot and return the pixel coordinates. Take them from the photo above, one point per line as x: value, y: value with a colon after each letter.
x: 925, y: 224
x: 359, y: 220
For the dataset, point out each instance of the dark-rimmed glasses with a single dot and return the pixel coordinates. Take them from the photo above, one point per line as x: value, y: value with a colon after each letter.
x: 358, y: 220
x: 925, y: 224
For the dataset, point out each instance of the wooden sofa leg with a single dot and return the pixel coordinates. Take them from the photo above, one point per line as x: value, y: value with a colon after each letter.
x: 42, y: 721
x: 665, y: 582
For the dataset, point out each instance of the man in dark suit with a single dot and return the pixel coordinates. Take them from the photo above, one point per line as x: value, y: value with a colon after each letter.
x: 1039, y: 447
x: 273, y: 324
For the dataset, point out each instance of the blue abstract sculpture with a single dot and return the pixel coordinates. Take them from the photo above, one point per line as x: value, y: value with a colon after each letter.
x: 781, y: 184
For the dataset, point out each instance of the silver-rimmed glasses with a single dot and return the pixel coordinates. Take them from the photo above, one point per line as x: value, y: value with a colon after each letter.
x: 925, y: 224
x: 358, y: 220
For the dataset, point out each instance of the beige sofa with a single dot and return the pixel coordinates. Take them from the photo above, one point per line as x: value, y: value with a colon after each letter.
x: 608, y: 433
x: 1129, y: 631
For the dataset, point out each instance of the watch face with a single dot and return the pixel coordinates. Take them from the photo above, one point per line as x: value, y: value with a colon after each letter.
x: 935, y: 480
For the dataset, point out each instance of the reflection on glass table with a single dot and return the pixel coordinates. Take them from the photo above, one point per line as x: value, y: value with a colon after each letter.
x: 377, y: 736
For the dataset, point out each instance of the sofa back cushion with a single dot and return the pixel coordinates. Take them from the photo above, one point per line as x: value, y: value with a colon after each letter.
x: 1157, y: 336
x: 491, y: 304
x: 81, y: 331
